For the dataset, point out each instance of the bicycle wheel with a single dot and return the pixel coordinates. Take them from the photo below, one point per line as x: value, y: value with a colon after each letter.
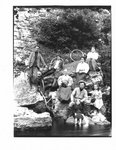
x: 76, y: 55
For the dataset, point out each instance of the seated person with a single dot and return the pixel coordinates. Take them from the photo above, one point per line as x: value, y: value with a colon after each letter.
x: 78, y: 96
x: 82, y: 69
x: 92, y: 57
x: 65, y: 83
x: 57, y: 65
x: 65, y: 79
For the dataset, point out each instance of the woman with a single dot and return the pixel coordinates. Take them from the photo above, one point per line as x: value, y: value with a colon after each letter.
x: 92, y: 57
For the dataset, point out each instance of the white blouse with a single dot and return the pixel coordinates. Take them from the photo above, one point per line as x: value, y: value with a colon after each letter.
x: 93, y: 55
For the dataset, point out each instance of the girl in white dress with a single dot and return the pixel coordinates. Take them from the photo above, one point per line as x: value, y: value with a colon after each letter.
x: 97, y: 94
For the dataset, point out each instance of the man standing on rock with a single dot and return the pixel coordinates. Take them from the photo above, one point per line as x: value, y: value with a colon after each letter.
x: 36, y: 59
x: 35, y: 62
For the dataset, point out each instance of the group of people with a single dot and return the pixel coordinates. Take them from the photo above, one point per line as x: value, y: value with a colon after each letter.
x: 78, y: 96
x: 85, y: 102
x: 36, y: 61
x: 89, y: 65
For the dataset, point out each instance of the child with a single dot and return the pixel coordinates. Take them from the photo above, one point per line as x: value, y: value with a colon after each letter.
x: 97, y: 95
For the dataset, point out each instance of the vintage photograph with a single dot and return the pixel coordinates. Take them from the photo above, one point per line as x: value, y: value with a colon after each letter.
x: 62, y: 71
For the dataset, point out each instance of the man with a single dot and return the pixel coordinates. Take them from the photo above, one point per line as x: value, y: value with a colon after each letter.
x: 92, y: 57
x: 79, y: 94
x: 82, y: 69
x: 34, y: 63
x: 36, y: 59
x: 56, y: 64
x: 78, y: 97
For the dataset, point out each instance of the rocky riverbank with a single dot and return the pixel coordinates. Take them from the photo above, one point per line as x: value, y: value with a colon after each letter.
x: 23, y: 116
x: 25, y: 119
x: 31, y: 111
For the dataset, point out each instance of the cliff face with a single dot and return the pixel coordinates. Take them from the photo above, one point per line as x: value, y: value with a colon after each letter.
x: 24, y: 40
x: 23, y: 43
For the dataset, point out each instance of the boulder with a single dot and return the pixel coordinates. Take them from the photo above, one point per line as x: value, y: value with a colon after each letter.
x: 61, y: 110
x: 88, y: 121
x: 85, y: 120
x: 24, y: 95
x: 100, y: 119
x: 70, y: 120
x: 25, y: 118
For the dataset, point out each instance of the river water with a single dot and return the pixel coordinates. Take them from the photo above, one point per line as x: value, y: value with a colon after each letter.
x: 60, y: 129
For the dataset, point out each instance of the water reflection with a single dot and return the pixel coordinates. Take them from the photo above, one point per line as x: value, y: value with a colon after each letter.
x: 61, y: 129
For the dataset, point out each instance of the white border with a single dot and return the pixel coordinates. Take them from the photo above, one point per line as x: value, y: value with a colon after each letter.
x: 7, y: 141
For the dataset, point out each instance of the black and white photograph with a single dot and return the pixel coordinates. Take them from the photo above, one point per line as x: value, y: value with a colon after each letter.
x: 62, y: 71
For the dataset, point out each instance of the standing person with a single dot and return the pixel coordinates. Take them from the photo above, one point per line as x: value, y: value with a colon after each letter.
x: 34, y: 63
x: 92, y: 57
x: 36, y: 59
x: 97, y: 95
x: 82, y: 69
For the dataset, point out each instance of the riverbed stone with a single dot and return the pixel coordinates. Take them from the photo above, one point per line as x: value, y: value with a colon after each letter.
x: 25, y: 118
x: 70, y: 120
x: 61, y: 110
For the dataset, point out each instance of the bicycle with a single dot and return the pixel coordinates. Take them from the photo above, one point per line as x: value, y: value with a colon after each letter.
x: 76, y: 55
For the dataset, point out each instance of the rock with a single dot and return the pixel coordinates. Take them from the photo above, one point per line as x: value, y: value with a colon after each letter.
x: 61, y: 110
x: 93, y: 121
x: 23, y: 94
x: 70, y: 120
x: 85, y: 120
x: 88, y: 121
x: 100, y: 119
x: 25, y: 118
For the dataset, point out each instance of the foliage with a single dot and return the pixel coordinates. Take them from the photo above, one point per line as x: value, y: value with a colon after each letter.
x: 62, y: 28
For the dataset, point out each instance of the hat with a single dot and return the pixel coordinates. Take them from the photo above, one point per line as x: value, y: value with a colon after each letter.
x: 82, y: 81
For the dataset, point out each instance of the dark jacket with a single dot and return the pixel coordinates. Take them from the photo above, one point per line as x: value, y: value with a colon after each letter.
x: 39, y: 60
